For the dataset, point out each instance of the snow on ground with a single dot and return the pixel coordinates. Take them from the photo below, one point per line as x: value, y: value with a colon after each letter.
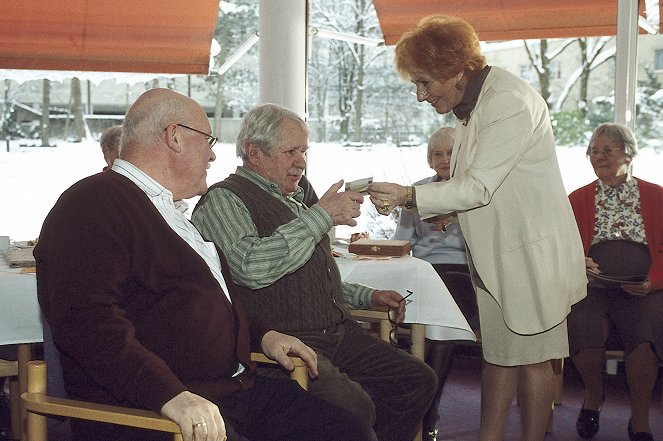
x: 32, y: 178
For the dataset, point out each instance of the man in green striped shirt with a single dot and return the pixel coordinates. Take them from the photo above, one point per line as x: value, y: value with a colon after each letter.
x: 280, y: 257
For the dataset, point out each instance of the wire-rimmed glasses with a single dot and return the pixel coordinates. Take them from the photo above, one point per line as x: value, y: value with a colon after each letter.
x: 393, y: 334
x: 607, y: 152
x: 211, y: 140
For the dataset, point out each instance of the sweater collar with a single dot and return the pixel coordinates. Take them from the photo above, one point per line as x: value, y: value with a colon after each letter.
x: 471, y: 95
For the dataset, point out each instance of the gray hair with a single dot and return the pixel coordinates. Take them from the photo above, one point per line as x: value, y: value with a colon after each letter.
x: 110, y: 138
x: 262, y: 126
x: 440, y: 136
x: 619, y: 133
x: 150, y: 115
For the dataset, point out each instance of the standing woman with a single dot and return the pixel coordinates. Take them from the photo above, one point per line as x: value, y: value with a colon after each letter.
x: 621, y: 224
x: 523, y: 245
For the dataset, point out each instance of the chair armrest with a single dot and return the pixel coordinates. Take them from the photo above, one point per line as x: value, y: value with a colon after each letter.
x: 39, y: 405
x: 299, y: 373
x: 375, y: 316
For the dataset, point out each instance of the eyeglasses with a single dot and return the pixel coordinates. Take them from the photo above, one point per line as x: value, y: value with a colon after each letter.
x: 211, y: 140
x: 393, y: 334
x: 607, y: 152
x: 425, y: 84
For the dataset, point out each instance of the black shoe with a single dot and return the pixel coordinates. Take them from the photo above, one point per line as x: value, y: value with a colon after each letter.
x: 588, y: 423
x: 640, y: 436
x: 430, y: 435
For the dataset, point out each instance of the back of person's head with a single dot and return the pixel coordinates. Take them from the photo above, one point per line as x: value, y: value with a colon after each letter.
x: 149, y: 116
x: 262, y: 126
x: 439, y: 45
x: 444, y: 136
x: 618, y: 133
x: 110, y: 143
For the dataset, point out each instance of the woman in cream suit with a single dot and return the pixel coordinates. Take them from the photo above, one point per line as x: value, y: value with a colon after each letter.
x: 523, y: 245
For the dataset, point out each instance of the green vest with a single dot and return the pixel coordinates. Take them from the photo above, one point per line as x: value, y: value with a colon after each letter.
x: 310, y: 298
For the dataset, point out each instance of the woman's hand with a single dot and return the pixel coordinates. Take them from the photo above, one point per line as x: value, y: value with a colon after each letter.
x: 591, y: 266
x: 386, y: 196
x: 440, y: 222
x: 641, y: 290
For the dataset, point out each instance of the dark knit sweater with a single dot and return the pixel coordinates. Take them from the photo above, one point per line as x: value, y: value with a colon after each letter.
x: 136, y: 313
x: 311, y: 297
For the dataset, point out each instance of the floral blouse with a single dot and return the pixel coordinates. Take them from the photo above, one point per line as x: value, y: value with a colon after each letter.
x: 617, y: 213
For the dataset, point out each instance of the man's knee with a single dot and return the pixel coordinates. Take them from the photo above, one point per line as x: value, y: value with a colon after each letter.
x: 336, y: 388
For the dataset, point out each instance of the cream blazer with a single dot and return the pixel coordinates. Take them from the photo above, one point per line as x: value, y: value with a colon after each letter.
x: 512, y: 207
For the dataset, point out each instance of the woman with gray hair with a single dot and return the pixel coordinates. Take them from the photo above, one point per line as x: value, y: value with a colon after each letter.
x: 620, y: 219
x: 441, y: 243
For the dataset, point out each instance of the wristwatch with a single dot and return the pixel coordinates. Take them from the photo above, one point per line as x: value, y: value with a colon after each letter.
x: 409, y: 197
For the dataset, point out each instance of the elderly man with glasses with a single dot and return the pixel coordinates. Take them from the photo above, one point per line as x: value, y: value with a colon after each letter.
x: 144, y: 311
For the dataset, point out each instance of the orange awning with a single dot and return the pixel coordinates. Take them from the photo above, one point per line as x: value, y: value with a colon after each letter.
x: 506, y: 19
x: 172, y: 36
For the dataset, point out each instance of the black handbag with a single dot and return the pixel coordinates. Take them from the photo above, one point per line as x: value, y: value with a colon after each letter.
x: 620, y: 261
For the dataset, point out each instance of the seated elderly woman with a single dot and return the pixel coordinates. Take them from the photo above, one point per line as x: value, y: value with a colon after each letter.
x: 440, y: 242
x: 620, y: 219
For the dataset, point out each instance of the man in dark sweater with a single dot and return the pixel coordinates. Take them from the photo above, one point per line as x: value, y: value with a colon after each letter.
x: 144, y: 311
x: 280, y: 257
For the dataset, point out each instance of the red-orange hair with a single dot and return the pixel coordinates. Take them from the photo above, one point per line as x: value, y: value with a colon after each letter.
x: 440, y: 46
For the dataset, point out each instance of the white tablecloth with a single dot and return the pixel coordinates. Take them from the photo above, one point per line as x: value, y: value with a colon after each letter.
x: 19, y: 310
x: 432, y: 304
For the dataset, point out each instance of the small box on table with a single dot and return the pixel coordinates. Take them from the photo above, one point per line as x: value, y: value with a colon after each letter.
x: 380, y: 247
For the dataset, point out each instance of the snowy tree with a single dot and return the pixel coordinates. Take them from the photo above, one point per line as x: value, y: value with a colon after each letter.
x: 45, y: 125
x: 593, y: 53
x: 649, y: 108
x: 236, y: 90
x: 347, y: 62
x: 540, y: 61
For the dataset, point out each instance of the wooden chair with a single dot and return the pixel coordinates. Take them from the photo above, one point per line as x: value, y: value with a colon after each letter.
x: 417, y: 330
x: 9, y: 369
x: 384, y: 327
x: 39, y: 404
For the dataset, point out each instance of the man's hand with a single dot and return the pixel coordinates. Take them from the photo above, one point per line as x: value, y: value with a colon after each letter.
x: 278, y: 347
x: 389, y: 300
x: 198, y: 418
x: 386, y: 196
x: 342, y: 207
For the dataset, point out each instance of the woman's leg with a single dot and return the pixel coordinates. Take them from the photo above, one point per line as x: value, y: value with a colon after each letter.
x: 641, y: 371
x: 536, y: 386
x: 498, y: 387
x: 439, y: 355
x: 589, y: 364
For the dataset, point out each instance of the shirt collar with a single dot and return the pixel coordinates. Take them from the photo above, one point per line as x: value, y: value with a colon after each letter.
x: 146, y: 183
x: 629, y: 182
x: 471, y: 95
x: 267, y: 185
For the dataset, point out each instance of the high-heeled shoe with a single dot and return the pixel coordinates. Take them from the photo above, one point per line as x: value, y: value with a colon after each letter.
x: 638, y: 436
x: 587, y: 424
